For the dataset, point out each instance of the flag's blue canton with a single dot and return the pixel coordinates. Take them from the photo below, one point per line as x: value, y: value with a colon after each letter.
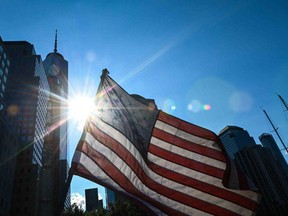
x: 126, y: 114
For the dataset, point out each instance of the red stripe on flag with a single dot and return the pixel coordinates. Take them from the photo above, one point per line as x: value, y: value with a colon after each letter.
x: 193, y: 147
x: 80, y: 170
x: 117, y: 176
x: 187, y: 127
x: 206, y: 188
x: 118, y: 167
x: 136, y: 167
x: 186, y: 162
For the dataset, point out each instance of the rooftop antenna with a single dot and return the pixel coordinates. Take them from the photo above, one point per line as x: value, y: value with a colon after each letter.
x: 276, y: 130
x: 55, y: 44
x: 284, y: 102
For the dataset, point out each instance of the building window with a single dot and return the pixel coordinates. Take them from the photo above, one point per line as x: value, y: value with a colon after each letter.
x: 231, y: 135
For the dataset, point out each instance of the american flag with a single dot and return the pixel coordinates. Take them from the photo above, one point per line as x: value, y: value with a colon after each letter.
x: 168, y: 165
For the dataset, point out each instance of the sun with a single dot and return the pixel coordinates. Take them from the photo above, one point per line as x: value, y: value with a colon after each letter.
x: 79, y: 108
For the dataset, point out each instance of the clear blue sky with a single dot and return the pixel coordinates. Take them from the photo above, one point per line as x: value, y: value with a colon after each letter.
x: 231, y: 55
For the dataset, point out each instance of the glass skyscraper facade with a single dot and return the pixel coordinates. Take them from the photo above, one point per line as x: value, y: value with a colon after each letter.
x: 9, y: 144
x: 234, y: 139
x: 55, y: 147
x: 91, y: 197
x: 4, y: 68
x: 33, y: 131
x: 268, y: 141
x: 111, y: 197
x: 262, y: 167
x: 26, y: 98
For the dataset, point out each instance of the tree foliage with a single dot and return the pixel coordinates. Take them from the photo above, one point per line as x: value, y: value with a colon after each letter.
x: 122, y: 207
x: 73, y: 210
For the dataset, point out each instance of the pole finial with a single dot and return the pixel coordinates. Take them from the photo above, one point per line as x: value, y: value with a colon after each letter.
x: 55, y: 43
x: 104, y: 73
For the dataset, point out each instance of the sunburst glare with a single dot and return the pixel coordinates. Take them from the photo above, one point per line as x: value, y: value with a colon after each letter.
x: 79, y: 108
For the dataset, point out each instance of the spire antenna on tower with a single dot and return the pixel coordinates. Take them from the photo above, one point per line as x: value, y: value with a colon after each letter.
x: 55, y: 44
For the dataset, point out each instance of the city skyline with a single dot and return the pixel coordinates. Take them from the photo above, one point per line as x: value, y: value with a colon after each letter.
x: 228, y: 56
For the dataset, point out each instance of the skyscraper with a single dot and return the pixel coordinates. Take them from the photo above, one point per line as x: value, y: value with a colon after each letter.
x: 91, y: 197
x: 9, y: 144
x: 111, y: 197
x: 234, y: 139
x: 262, y: 167
x: 4, y: 66
x: 33, y: 130
x: 268, y: 141
x: 260, y: 164
x: 55, y: 148
x: 25, y: 98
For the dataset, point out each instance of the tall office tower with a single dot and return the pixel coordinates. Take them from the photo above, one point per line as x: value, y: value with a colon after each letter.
x: 111, y: 197
x: 9, y: 130
x: 55, y: 147
x: 100, y: 203
x: 234, y: 139
x: 4, y: 68
x: 91, y: 197
x: 268, y: 141
x: 259, y: 163
x: 26, y: 97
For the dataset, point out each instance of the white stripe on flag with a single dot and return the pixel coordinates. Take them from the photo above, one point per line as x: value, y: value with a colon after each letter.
x: 178, y: 168
x: 97, y: 172
x: 198, y: 176
x: 161, y: 180
x: 188, y: 154
x: 186, y: 136
x: 125, y: 169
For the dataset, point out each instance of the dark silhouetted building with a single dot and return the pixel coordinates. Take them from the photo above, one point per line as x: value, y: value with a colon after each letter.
x: 4, y: 69
x: 262, y: 167
x: 9, y: 143
x: 268, y: 141
x: 100, y: 203
x: 234, y: 139
x: 25, y: 98
x: 91, y: 197
x: 33, y: 131
x: 111, y: 197
x: 55, y: 148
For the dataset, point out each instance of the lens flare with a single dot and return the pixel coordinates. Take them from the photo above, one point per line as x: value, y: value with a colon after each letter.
x: 13, y: 110
x: 240, y: 101
x: 206, y: 107
x: 169, y: 106
x: 196, y: 106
